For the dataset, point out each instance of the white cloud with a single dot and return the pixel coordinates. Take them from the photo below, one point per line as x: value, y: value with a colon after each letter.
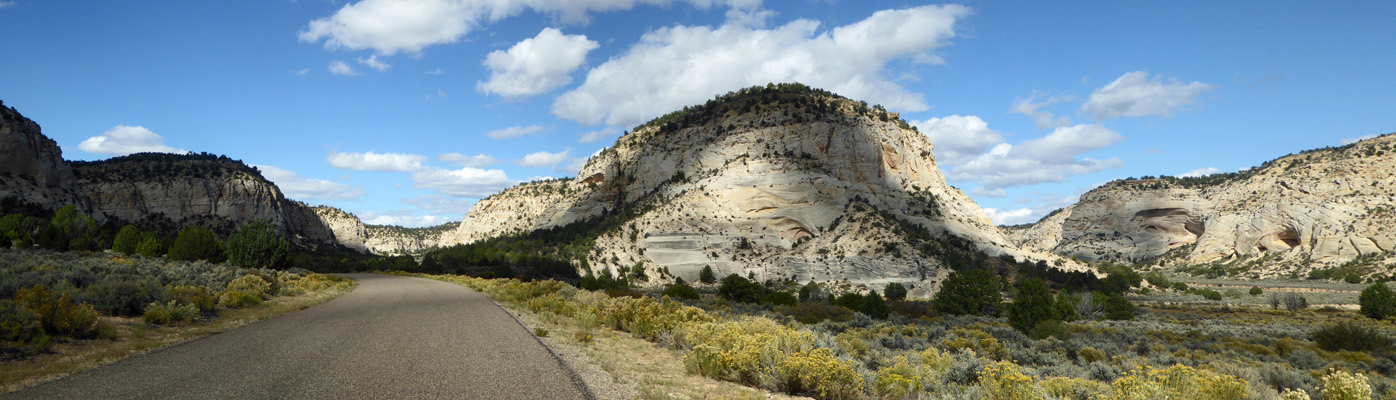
x: 535, y: 65
x: 373, y: 62
x: 598, y: 135
x: 1351, y: 140
x: 1043, y: 119
x: 123, y: 140
x: 1200, y: 172
x: 464, y: 182
x: 514, y: 131
x: 956, y: 139
x: 338, y: 67
x: 683, y: 65
x: 574, y: 165
x: 1135, y: 94
x: 475, y: 161
x: 1010, y: 217
x: 410, y: 221
x: 370, y: 161
x: 303, y: 71
x: 437, y: 71
x: 392, y: 26
x: 7, y: 4
x: 295, y: 186
x: 542, y: 159
x: 438, y: 204
x: 1051, y: 158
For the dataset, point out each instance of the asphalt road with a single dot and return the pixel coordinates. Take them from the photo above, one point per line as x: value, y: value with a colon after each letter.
x: 392, y: 337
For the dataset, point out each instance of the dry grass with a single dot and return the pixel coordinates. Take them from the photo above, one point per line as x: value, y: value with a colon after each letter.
x: 134, y: 337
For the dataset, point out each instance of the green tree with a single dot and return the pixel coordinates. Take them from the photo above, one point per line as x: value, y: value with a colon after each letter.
x: 1377, y: 301
x: 850, y: 300
x: 150, y: 246
x: 970, y: 291
x: 257, y: 245
x: 1064, y: 308
x: 1032, y: 305
x: 874, y: 306
x: 894, y: 292
x: 707, y: 275
x: 810, y: 289
x: 126, y: 240
x: 681, y: 290
x: 736, y: 288
x: 196, y: 243
x: 1115, y: 305
x: 1256, y: 291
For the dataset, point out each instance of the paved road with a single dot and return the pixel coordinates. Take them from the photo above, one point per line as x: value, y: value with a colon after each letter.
x: 392, y: 337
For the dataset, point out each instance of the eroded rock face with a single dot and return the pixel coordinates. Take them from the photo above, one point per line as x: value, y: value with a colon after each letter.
x: 759, y: 187
x: 32, y: 167
x: 1315, y: 209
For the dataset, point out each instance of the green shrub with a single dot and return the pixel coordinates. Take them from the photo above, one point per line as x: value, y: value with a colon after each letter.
x: 1031, y: 306
x: 1377, y: 301
x: 196, y: 243
x: 874, y: 306
x: 736, y: 288
x: 150, y: 246
x: 707, y: 276
x: 238, y: 298
x: 681, y: 291
x: 169, y: 313
x: 257, y: 245
x: 779, y: 298
x: 200, y: 297
x: 1349, y: 336
x: 812, y: 312
x: 18, y: 323
x: 810, y: 289
x: 58, y: 312
x: 126, y: 240
x: 1256, y: 291
x: 894, y: 292
x: 1064, y: 307
x: 252, y: 284
x: 126, y: 297
x: 1115, y: 306
x: 972, y: 292
x: 851, y: 301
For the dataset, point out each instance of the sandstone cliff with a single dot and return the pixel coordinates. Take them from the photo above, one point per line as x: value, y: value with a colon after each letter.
x: 778, y: 182
x: 32, y: 169
x: 1316, y: 209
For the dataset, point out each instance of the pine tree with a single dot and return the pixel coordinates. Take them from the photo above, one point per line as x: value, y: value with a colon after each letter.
x: 874, y: 306
x: 256, y: 245
x: 895, y: 292
x: 126, y: 240
x: 970, y: 291
x: 707, y: 275
x: 1377, y: 301
x: 1032, y: 305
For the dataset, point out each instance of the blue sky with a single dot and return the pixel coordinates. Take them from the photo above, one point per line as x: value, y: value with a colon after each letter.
x: 406, y: 112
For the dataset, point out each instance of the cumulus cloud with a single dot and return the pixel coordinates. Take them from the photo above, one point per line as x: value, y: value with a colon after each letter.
x: 1043, y: 119
x: 392, y: 26
x: 370, y: 161
x: 123, y: 140
x: 574, y: 165
x: 295, y: 186
x: 598, y: 135
x: 373, y: 62
x: 1051, y: 158
x: 1135, y: 94
x: 1351, y: 140
x: 404, y: 219
x: 535, y: 65
x: 439, y: 204
x: 1010, y: 217
x: 476, y: 161
x: 338, y: 67
x: 542, y: 159
x: 682, y: 65
x: 514, y: 131
x: 464, y: 182
x: 957, y: 139
x: 7, y: 4
x: 1200, y: 172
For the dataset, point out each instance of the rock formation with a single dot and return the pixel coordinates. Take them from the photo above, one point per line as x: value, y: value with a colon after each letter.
x: 1316, y: 209
x: 32, y: 169
x: 780, y: 182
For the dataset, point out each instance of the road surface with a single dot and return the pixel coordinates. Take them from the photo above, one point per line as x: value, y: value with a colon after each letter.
x: 392, y: 337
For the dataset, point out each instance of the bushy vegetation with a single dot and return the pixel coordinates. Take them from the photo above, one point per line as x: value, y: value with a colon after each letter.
x: 1377, y: 301
x: 824, y: 350
x: 969, y: 292
x: 257, y: 245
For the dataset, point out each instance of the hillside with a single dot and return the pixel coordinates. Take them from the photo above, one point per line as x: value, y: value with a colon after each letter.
x: 778, y: 182
x: 1315, y: 210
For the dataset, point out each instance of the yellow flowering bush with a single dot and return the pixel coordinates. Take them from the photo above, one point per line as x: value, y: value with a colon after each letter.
x: 1341, y: 385
x: 979, y: 341
x: 1178, y: 382
x: 1004, y: 381
x: 820, y: 374
x: 900, y: 380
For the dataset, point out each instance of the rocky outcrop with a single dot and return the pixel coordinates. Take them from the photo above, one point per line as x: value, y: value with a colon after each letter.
x: 32, y: 169
x: 392, y: 240
x: 346, y: 228
x: 773, y: 182
x: 1315, y: 209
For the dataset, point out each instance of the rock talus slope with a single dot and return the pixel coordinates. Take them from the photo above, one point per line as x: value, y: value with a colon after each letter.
x: 1319, y: 208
